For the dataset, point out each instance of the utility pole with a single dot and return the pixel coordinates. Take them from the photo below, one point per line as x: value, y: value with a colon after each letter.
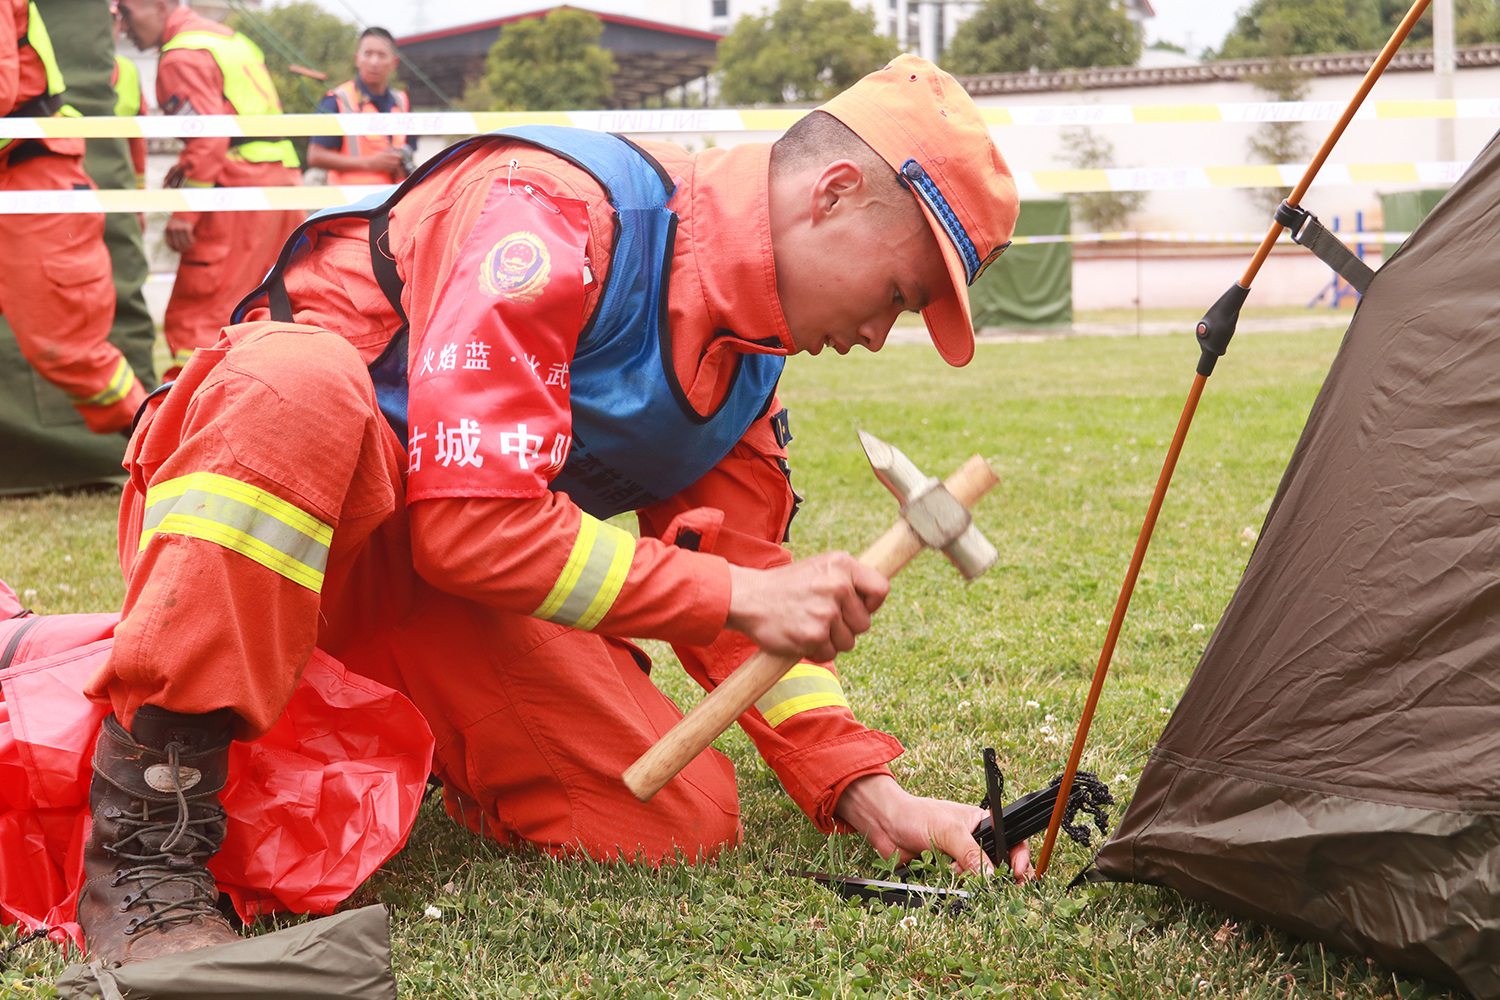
x: 1443, y: 64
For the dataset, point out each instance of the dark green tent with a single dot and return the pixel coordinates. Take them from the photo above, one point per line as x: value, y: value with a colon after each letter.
x: 1332, y: 766
x: 1032, y: 284
x: 42, y: 438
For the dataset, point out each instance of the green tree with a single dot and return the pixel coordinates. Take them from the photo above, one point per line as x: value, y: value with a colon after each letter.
x: 804, y: 50
x: 551, y: 63
x: 1013, y: 36
x: 1305, y: 27
x: 301, y: 33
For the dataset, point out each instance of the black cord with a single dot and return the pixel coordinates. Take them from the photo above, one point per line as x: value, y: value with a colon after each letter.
x: 21, y: 942
x: 1089, y: 795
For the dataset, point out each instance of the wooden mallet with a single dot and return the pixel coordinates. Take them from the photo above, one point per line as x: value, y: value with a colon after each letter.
x: 933, y: 515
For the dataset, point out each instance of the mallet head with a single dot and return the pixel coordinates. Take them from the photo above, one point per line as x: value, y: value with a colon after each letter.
x: 939, y: 520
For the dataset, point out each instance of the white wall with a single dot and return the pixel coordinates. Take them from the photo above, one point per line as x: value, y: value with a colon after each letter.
x: 1216, y: 144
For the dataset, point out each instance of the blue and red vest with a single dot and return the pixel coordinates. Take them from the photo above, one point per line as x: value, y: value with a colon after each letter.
x: 632, y: 421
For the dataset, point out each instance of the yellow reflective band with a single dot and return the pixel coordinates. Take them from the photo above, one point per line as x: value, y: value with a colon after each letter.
x: 805, y: 687
x: 182, y: 355
x: 119, y: 387
x: 282, y: 152
x: 592, y: 578
x: 244, y: 519
x: 189, y: 182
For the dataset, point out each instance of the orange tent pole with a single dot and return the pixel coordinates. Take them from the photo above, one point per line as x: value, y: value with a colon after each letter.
x: 1214, y: 333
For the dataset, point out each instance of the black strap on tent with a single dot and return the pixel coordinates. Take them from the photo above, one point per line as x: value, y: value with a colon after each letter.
x: 1309, y: 232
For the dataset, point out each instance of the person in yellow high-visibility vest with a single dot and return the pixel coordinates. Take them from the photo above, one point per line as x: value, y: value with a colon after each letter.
x: 208, y: 69
x: 131, y: 101
x: 55, y: 288
x: 366, y: 159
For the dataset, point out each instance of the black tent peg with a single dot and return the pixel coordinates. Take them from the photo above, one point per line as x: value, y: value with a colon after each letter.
x: 1216, y: 328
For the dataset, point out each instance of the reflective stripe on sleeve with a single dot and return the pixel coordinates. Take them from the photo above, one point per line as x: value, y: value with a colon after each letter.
x: 243, y: 518
x: 805, y: 687
x: 118, y: 388
x: 182, y: 356
x: 592, y: 578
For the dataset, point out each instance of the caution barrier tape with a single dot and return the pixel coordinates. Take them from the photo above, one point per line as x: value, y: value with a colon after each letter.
x: 705, y: 120
x: 1037, y: 182
x: 1367, y: 238
x: 1030, y: 183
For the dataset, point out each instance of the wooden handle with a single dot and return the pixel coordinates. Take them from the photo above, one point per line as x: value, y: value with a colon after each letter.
x: 752, y: 679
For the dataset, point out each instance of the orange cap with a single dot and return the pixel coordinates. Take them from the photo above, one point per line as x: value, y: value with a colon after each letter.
x: 932, y: 134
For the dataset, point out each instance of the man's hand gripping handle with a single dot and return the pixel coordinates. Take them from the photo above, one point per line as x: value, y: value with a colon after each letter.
x: 757, y: 675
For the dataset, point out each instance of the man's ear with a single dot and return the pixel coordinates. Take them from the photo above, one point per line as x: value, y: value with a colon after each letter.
x: 836, y: 188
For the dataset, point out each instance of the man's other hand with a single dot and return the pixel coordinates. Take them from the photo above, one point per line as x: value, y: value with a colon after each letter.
x: 893, y: 819
x: 387, y: 161
x: 811, y: 609
x: 179, y: 234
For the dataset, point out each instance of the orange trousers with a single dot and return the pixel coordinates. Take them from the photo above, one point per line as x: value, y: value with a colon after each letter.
x: 533, y: 722
x: 231, y: 253
x: 56, y: 291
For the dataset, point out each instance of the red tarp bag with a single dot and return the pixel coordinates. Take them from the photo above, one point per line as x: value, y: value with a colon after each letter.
x: 315, y: 806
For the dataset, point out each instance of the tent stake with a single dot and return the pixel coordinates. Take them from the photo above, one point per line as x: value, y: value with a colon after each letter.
x: 1214, y: 333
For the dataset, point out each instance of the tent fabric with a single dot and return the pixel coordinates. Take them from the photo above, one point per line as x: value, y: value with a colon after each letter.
x: 1331, y: 767
x: 346, y: 956
x: 315, y: 806
x: 1030, y: 285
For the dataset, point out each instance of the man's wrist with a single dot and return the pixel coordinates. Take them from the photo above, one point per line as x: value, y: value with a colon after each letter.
x: 866, y: 799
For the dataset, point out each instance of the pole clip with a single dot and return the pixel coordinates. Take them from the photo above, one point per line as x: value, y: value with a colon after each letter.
x: 1307, y: 231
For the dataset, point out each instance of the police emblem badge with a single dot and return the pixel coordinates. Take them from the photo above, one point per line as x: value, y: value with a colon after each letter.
x: 517, y: 268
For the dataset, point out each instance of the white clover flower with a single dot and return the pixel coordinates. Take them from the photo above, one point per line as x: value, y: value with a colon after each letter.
x: 433, y: 913
x: 1122, y: 776
x: 1044, y: 730
x: 1029, y: 704
x: 910, y: 921
x: 1051, y: 717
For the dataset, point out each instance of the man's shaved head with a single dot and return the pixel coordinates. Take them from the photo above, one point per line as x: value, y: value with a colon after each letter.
x: 818, y: 139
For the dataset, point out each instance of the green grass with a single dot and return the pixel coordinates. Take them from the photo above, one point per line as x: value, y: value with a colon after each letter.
x: 1076, y: 430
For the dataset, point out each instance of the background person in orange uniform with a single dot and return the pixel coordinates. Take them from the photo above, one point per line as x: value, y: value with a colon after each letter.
x: 207, y: 69
x: 55, y: 287
x: 420, y: 532
x: 366, y: 159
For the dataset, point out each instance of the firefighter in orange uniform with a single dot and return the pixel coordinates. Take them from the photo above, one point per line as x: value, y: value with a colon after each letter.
x: 408, y: 452
x: 207, y: 69
x: 365, y: 159
x: 55, y: 286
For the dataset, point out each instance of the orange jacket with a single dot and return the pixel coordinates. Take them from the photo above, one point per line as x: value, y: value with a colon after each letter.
x: 189, y: 82
x: 350, y: 100
x: 722, y: 280
x: 22, y: 75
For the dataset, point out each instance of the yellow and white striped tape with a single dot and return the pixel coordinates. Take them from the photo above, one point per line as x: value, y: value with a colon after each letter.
x: 1031, y: 183
x: 708, y: 120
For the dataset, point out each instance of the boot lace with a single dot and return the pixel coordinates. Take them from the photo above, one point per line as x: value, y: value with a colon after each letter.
x: 169, y: 852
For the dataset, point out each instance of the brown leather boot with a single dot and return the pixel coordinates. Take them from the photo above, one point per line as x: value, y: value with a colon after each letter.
x: 157, y: 821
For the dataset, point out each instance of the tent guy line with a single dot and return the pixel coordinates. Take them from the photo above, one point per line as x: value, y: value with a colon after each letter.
x: 670, y: 120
